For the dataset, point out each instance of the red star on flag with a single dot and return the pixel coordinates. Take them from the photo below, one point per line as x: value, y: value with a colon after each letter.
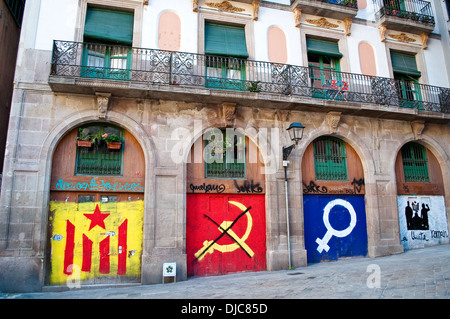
x: 97, y: 218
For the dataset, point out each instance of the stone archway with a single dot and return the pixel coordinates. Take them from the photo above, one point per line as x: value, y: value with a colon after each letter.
x: 421, y: 198
x: 95, y: 222
x: 333, y: 200
x: 225, y: 208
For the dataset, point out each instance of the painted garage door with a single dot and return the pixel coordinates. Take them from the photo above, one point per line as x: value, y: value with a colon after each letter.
x: 225, y: 234
x: 335, y: 226
x: 95, y: 238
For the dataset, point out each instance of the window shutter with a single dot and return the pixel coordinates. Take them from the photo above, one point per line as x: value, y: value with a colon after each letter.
x: 330, y: 159
x: 109, y: 25
x: 323, y: 47
x: 415, y: 163
x: 404, y: 64
x: 225, y: 40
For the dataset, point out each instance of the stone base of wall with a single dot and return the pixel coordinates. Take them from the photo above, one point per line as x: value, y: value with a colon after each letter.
x: 19, y: 274
x: 384, y: 250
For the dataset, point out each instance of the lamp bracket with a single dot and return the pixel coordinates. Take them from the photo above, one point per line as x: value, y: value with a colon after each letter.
x: 287, y: 151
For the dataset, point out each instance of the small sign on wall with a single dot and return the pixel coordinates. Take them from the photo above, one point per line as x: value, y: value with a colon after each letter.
x: 170, y: 270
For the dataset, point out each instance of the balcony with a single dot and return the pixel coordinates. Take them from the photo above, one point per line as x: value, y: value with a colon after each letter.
x: 336, y: 9
x: 415, y: 16
x: 147, y: 73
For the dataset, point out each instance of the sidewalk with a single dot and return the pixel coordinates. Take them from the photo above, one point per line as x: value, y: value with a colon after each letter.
x: 421, y: 273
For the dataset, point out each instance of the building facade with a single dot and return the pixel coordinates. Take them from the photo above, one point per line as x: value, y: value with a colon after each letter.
x: 152, y: 132
x: 11, y: 13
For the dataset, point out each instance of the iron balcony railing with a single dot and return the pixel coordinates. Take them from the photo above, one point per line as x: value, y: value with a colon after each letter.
x: 345, y: 3
x: 157, y: 67
x: 415, y: 10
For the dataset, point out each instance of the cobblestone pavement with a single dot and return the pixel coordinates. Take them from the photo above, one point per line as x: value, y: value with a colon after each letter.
x: 420, y: 273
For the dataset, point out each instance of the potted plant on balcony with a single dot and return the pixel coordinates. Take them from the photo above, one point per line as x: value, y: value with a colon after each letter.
x: 350, y: 3
x: 113, y: 141
x: 426, y: 19
x: 83, y: 140
x: 414, y: 16
x: 254, y: 86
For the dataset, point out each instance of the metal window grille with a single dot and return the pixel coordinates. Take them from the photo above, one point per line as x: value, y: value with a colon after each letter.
x: 330, y: 159
x: 226, y: 159
x: 98, y: 159
x: 415, y: 163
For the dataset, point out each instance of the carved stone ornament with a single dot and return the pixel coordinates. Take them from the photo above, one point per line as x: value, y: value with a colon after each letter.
x: 417, y: 129
x: 229, y: 113
x: 402, y: 37
x: 347, y: 26
x: 323, y: 23
x: 102, y: 104
x: 145, y: 2
x: 195, y: 5
x: 333, y: 119
x: 424, y: 38
x: 382, y: 28
x: 224, y: 6
x: 297, y: 15
x: 255, y: 5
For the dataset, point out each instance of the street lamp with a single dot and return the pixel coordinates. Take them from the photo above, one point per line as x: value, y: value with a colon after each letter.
x: 295, y: 131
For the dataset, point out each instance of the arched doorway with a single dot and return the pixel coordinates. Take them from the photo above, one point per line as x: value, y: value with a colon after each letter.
x: 225, y: 209
x: 333, y: 201
x: 96, y: 208
x: 420, y: 200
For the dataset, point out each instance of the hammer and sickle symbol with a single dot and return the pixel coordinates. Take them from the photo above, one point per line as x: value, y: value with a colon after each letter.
x: 210, y: 245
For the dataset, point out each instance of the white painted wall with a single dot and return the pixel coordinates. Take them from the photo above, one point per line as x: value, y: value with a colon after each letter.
x: 48, y: 20
x: 189, y: 23
x: 434, y: 57
x: 288, y: 2
x: 362, y: 33
x: 368, y: 13
x: 437, y: 222
x: 57, y: 21
x: 268, y: 17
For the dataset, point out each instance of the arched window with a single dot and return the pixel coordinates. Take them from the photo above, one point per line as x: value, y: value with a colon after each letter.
x: 330, y: 159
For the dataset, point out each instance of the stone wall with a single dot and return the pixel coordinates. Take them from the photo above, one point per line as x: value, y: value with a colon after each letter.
x: 40, y: 118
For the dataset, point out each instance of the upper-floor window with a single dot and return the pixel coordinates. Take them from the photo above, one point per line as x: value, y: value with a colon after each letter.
x: 415, y: 163
x: 324, y: 62
x: 226, y: 54
x: 330, y: 159
x: 405, y: 71
x: 104, y: 154
x: 108, y: 36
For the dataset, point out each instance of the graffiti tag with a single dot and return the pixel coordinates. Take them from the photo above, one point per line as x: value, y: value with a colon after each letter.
x: 419, y: 236
x: 248, y: 187
x: 438, y: 234
x: 357, y: 185
x: 102, y: 186
x: 312, y: 187
x: 206, y: 188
